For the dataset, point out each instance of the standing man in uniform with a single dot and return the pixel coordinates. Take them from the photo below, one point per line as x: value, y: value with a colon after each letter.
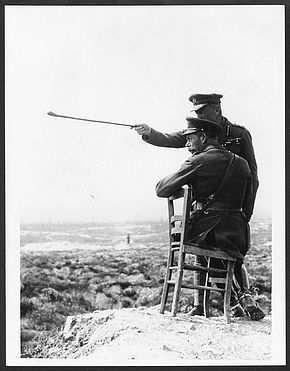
x: 234, y: 138
x: 225, y: 222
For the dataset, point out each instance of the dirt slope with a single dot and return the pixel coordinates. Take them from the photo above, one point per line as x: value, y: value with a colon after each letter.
x: 143, y: 336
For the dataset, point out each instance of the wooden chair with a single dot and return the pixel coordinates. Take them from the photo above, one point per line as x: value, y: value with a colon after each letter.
x: 178, y: 230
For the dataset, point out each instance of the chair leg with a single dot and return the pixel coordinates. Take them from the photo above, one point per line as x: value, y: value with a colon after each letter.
x: 228, y: 288
x: 164, y: 296
x: 206, y: 293
x: 206, y: 296
x: 177, y: 286
x: 168, y: 275
x: 197, y: 281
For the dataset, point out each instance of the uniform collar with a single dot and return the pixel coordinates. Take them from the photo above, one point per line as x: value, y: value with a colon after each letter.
x: 224, y: 121
x: 225, y: 127
x: 208, y: 148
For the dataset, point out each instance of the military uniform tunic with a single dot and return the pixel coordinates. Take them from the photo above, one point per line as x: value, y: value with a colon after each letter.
x: 204, y: 171
x: 235, y: 138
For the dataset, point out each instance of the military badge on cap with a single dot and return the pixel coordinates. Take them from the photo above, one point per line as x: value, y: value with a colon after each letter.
x: 195, y: 124
x: 201, y: 100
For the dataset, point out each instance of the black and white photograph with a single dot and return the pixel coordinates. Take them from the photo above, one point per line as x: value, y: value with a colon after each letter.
x: 144, y: 185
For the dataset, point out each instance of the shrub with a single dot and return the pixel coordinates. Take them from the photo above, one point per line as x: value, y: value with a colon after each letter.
x: 28, y: 305
x: 52, y: 294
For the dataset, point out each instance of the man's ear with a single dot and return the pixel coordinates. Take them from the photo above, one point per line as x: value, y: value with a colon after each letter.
x: 203, y: 138
x: 218, y: 110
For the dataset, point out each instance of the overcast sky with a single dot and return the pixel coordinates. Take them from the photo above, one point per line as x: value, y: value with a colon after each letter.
x: 132, y: 65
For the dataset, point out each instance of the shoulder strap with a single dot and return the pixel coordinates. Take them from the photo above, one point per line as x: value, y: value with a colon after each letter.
x: 228, y: 173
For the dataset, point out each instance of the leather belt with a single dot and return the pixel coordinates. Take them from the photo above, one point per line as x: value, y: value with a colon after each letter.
x: 220, y: 206
x: 226, y: 205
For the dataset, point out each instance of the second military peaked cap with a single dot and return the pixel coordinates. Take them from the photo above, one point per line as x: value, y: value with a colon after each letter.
x: 195, y: 124
x: 201, y: 100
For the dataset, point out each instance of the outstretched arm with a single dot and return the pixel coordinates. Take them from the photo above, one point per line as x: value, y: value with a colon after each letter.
x: 152, y: 136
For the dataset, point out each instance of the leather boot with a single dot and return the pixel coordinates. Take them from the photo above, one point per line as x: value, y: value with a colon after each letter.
x: 197, y: 310
x: 241, y: 279
x: 236, y: 308
x: 249, y: 304
x: 251, y: 307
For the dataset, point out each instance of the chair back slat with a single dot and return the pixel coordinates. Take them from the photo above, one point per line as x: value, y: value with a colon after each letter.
x: 176, y: 230
x: 176, y: 218
x: 186, y: 213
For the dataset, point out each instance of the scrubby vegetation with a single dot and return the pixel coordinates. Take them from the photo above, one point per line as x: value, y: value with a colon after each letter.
x: 57, y: 284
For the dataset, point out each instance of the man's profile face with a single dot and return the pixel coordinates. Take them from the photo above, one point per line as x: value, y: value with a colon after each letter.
x: 208, y: 112
x: 194, y: 143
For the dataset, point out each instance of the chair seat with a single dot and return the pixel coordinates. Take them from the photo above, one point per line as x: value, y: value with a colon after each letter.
x: 210, y: 251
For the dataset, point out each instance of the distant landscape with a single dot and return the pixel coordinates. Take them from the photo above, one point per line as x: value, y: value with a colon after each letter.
x: 68, y: 269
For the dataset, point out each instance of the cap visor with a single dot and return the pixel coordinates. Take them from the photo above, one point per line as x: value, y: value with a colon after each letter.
x: 196, y: 107
x: 190, y: 131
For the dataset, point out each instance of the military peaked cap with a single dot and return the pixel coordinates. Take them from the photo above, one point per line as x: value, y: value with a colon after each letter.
x: 195, y: 124
x: 201, y: 100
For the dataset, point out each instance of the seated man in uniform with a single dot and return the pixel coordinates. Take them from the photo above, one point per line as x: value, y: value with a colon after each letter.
x: 225, y: 222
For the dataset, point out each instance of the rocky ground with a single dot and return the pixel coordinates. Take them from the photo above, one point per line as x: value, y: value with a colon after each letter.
x: 100, y: 304
x: 143, y: 336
